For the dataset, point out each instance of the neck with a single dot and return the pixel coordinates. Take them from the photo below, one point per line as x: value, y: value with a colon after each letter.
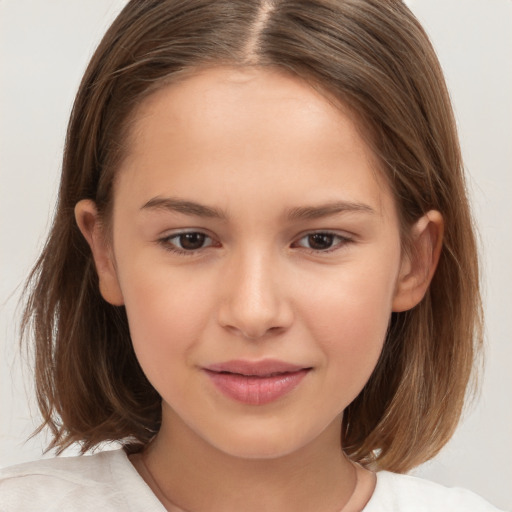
x: 196, y: 476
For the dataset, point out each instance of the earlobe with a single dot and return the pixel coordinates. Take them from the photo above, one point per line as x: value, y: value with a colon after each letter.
x: 420, y: 264
x: 87, y: 218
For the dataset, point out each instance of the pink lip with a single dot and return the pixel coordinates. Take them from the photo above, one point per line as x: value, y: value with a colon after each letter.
x: 255, y: 383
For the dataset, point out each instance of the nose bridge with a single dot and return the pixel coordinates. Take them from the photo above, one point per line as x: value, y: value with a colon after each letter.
x: 254, y: 301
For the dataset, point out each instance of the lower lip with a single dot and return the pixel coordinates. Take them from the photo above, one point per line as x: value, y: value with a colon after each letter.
x: 256, y: 390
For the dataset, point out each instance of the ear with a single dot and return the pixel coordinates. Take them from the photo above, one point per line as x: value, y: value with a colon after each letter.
x: 419, y: 265
x: 89, y: 223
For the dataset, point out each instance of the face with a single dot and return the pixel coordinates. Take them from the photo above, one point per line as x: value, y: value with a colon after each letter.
x: 258, y: 255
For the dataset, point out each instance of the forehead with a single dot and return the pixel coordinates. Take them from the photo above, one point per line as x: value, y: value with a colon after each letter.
x: 250, y: 124
x: 227, y: 97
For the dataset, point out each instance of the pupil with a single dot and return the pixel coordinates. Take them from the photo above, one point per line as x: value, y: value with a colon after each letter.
x: 320, y: 241
x: 192, y: 241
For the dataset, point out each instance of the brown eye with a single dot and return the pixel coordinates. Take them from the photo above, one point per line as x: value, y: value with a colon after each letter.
x: 187, y: 242
x: 320, y: 241
x: 191, y: 241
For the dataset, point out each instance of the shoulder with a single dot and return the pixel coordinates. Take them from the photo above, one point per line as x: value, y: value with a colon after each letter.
x: 404, y: 493
x: 102, y: 481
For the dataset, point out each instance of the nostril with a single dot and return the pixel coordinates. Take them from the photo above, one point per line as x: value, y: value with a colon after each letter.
x: 255, y: 334
x: 253, y: 305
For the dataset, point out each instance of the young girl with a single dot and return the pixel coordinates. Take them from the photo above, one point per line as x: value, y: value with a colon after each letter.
x: 262, y: 276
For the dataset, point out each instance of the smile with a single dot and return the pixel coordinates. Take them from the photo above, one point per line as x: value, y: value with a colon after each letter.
x: 255, y: 383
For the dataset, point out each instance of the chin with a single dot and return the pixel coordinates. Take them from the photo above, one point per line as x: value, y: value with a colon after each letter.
x: 263, y: 449
x: 262, y: 443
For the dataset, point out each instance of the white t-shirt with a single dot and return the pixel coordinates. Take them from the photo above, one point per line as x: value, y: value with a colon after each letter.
x: 108, y: 482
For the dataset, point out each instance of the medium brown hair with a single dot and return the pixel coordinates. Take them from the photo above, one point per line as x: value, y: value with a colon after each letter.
x: 372, y: 56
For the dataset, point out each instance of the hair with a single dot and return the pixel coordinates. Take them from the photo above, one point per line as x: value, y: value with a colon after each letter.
x: 375, y: 58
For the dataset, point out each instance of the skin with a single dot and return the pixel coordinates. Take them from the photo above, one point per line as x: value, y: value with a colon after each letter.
x: 255, y: 146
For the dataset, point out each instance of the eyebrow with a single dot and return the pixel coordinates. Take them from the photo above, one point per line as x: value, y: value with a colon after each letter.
x: 325, y: 210
x: 297, y: 213
x: 182, y: 206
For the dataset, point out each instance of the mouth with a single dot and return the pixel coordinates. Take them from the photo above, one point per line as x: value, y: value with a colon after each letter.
x: 263, y: 368
x: 256, y: 382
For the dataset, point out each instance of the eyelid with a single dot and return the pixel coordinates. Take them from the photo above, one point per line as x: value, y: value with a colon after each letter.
x: 165, y: 241
x: 344, y: 239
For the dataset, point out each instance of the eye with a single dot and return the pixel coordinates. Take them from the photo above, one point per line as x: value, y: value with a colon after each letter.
x: 322, y: 241
x: 187, y: 242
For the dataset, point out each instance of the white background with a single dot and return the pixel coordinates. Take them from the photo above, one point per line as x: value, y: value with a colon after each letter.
x: 44, y: 48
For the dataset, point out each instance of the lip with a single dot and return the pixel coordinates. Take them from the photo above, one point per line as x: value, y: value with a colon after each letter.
x: 255, y: 382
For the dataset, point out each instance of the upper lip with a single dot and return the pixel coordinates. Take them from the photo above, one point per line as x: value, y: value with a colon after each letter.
x: 263, y: 368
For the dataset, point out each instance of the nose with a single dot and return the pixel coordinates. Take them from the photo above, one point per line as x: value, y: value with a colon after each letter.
x: 254, y: 302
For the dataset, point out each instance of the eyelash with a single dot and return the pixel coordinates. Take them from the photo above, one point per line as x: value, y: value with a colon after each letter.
x: 342, y: 241
x: 168, y: 245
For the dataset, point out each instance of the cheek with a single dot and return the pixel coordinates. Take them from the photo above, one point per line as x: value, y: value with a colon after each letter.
x: 166, y: 314
x: 348, y: 317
